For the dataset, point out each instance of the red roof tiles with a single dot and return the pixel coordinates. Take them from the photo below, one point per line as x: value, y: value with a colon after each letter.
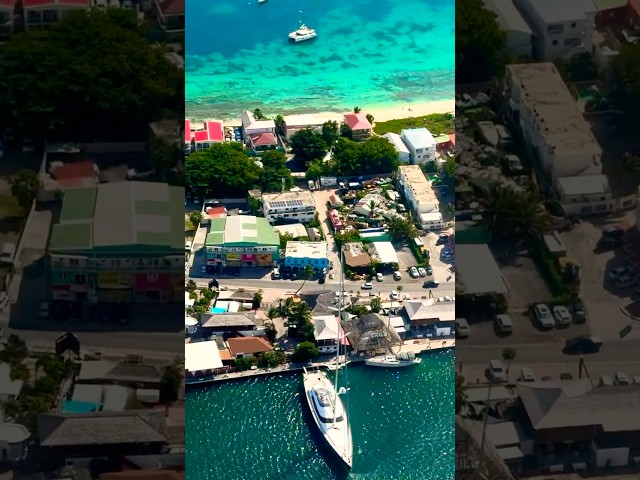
x: 264, y: 139
x: 172, y: 7
x: 248, y: 345
x: 188, y: 134
x: 215, y: 131
x: 357, y: 121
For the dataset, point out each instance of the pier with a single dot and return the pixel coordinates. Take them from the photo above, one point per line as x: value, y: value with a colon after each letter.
x: 416, y: 346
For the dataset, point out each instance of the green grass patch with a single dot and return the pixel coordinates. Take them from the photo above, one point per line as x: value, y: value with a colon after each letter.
x: 436, y: 123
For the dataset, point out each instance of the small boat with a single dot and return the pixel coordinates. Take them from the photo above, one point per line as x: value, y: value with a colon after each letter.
x: 302, y: 33
x: 402, y: 359
x: 261, y: 1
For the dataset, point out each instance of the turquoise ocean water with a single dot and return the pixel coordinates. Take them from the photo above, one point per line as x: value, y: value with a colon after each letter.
x: 368, y: 53
x: 402, y: 425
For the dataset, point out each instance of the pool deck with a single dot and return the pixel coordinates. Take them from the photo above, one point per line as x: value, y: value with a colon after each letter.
x: 416, y: 346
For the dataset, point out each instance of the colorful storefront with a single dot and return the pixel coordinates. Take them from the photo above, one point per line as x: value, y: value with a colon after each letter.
x: 233, y: 260
x: 115, y: 287
x: 265, y: 260
x: 153, y: 287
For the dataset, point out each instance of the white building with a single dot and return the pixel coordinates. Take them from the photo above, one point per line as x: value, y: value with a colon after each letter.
x: 251, y: 126
x: 517, y: 29
x: 200, y: 357
x: 14, y: 441
x: 561, y: 29
x: 293, y: 207
x: 396, y: 140
x: 326, y: 331
x: 295, y: 123
x: 550, y: 121
x: 418, y: 192
x: 421, y: 145
x: 585, y: 195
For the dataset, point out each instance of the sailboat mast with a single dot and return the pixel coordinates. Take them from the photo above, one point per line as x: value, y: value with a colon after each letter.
x: 340, y: 303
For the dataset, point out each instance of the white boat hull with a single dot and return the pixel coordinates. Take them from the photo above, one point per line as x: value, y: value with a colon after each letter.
x: 336, y: 434
x: 302, y: 39
x: 389, y: 361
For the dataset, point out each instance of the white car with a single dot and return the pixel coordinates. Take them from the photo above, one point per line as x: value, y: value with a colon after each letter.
x: 394, y: 295
x: 621, y: 379
x: 187, y: 246
x: 397, y: 275
x: 44, y: 310
x: 406, y: 296
x: 422, y: 272
x: 379, y: 277
x: 496, y: 371
x: 203, y: 269
x: 527, y: 375
x: 618, y: 272
x: 504, y: 324
x: 562, y: 316
x: 544, y: 316
x: 413, y: 272
x: 367, y: 286
x: 606, y: 381
x: 462, y: 328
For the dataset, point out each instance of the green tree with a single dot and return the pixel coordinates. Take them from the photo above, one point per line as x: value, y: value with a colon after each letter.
x: 369, y: 118
x: 245, y: 363
x: 284, y: 239
x: 15, y: 350
x: 164, y: 156
x: 286, y: 307
x: 307, y: 145
x: 257, y: 299
x: 280, y: 125
x: 223, y: 170
x: 25, y: 186
x: 191, y: 286
x: 305, y: 352
x: 271, y: 331
x: 270, y: 359
x: 272, y: 313
x: 402, y: 228
x: 626, y: 78
x: 19, y: 371
x: 480, y: 43
x: 307, y: 331
x: 258, y: 115
x: 378, y: 155
x: 99, y: 66
x: 308, y: 271
x: 508, y: 354
x: 581, y: 67
x: 274, y: 170
x: 330, y: 132
x: 195, y: 217
x: 346, y: 157
x: 300, y: 314
x: 356, y: 110
x: 171, y: 382
x: 316, y: 169
x: 376, y: 304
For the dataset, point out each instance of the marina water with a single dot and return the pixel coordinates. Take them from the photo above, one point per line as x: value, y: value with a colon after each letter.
x: 368, y: 53
x: 402, y: 424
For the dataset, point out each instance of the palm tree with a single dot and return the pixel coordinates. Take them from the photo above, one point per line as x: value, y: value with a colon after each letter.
x: 508, y: 354
x: 461, y: 395
x: 372, y: 207
x: 514, y: 215
x: 272, y: 313
x: 287, y: 307
x: 280, y: 125
x: 356, y: 109
x: 376, y: 304
x: 258, y: 115
x: 369, y: 118
x: 300, y: 314
x: 308, y: 271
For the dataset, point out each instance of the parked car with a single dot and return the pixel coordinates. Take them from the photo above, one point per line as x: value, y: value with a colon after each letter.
x: 406, y: 296
x: 625, y: 281
x: 618, y: 272
x: 367, y: 286
x: 613, y: 232
x: 397, y: 275
x: 504, y: 324
x: 462, y: 328
x: 44, y: 310
x: 621, y: 379
x: 579, y: 311
x: 606, y: 381
x: 394, y: 295
x: 379, y: 277
x: 562, y: 316
x: 442, y: 239
x: 544, y: 316
x: 312, y: 185
x: 413, y: 272
x: 431, y: 284
x: 496, y: 371
x: 429, y: 270
x: 527, y: 375
x: 582, y: 345
x: 422, y: 272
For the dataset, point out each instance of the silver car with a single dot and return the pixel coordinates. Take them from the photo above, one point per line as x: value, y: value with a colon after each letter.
x: 562, y: 316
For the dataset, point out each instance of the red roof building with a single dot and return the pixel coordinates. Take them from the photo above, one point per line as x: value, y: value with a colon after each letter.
x: 214, y: 129
x: 170, y: 15
x: 211, y: 132
x: 248, y: 346
x: 77, y: 174
x: 262, y: 141
x: 7, y: 23
x: 216, y: 212
x: 358, y: 124
x: 452, y: 139
x: 188, y: 134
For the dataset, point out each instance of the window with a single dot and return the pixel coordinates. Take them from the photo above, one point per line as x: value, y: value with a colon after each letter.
x: 573, y: 42
x: 573, y: 25
x: 555, y: 42
x: 555, y: 29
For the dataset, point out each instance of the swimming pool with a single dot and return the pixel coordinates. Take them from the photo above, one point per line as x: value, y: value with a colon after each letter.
x: 218, y: 310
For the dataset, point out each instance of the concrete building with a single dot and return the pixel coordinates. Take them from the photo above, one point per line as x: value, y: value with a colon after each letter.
x: 326, y: 331
x: 295, y: 123
x: 418, y: 192
x: 359, y: 125
x: 561, y: 29
x: 512, y: 22
x: 300, y: 254
x: 396, y: 140
x: 210, y: 133
x: 290, y: 207
x: 119, y: 243
x: 421, y: 145
x: 41, y: 14
x: 248, y: 347
x: 242, y: 241
x: 7, y: 17
x: 559, y: 137
x: 259, y: 134
x: 425, y: 316
x: 170, y: 15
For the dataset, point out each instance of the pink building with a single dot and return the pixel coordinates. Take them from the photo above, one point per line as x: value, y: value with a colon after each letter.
x: 359, y: 125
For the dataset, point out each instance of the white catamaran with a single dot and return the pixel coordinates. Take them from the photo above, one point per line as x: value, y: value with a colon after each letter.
x: 302, y: 33
x: 327, y: 408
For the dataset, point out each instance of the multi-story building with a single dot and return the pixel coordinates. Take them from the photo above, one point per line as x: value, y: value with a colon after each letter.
x: 512, y: 22
x: 559, y: 137
x: 7, y: 17
x: 359, y: 125
x: 419, y: 194
x: 41, y: 14
x: 119, y: 243
x: 326, y: 332
x: 300, y: 254
x: 561, y: 29
x: 210, y: 133
x: 14, y: 442
x: 259, y: 134
x: 289, y: 207
x: 295, y: 123
x: 242, y: 241
x: 421, y: 145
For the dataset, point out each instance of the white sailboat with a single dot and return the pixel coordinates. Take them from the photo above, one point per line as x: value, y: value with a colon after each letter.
x: 327, y: 408
x: 303, y: 32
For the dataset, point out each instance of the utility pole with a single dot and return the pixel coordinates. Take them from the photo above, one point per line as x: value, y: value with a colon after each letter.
x: 484, y: 423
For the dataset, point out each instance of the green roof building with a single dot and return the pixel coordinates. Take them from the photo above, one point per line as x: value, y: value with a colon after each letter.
x: 119, y: 242
x: 242, y: 241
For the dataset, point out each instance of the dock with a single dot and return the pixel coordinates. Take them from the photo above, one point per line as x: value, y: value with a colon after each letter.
x: 416, y: 346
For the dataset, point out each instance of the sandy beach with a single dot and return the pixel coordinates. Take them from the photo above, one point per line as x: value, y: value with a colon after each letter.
x: 380, y: 113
